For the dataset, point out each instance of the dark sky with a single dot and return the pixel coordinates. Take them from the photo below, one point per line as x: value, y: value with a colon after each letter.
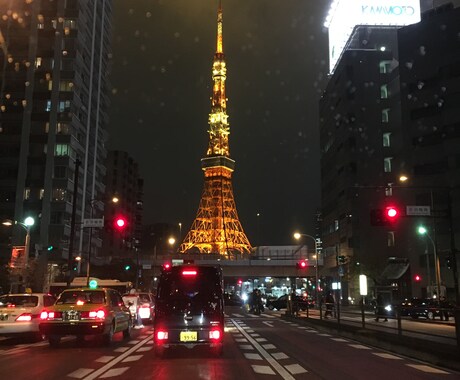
x: 276, y: 54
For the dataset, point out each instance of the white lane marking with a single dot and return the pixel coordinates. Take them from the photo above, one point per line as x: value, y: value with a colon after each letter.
x: 245, y: 327
x: 255, y: 335
x: 359, y: 346
x: 251, y: 356
x: 295, y: 325
x: 387, y: 356
x: 304, y: 328
x: 105, y: 359
x: 132, y: 358
x: 263, y: 369
x: 295, y: 369
x: 324, y: 335
x: 253, y: 316
x: 269, y: 324
x: 246, y: 347
x: 241, y: 340
x: 150, y: 342
x: 339, y: 340
x: 121, y: 349
x: 426, y: 368
x: 133, y: 342
x: 79, y: 373
x: 118, y: 359
x: 278, y: 367
x: 238, y: 315
x: 250, y: 330
x: 269, y: 316
x: 268, y: 346
x: 144, y: 349
x: 237, y: 334
x: 279, y: 355
x: 114, y: 372
x: 261, y: 339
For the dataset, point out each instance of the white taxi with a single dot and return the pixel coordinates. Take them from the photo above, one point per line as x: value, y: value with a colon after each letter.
x: 20, y: 313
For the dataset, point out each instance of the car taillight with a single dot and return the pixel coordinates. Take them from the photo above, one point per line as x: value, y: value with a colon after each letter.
x: 189, y: 272
x: 215, y: 334
x: 50, y: 315
x: 26, y: 317
x: 144, y: 312
x: 162, y: 335
x: 94, y: 314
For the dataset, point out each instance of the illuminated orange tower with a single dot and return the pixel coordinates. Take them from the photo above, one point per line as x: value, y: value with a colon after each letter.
x: 216, y: 228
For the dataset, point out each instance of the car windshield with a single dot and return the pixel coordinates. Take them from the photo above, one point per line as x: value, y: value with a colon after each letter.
x: 18, y: 301
x: 81, y: 297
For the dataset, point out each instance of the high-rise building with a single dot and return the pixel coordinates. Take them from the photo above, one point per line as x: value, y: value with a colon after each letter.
x: 387, y: 112
x: 125, y: 190
x: 53, y: 102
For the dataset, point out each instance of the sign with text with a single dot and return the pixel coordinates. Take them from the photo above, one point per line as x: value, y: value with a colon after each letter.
x: 418, y: 210
x: 94, y: 223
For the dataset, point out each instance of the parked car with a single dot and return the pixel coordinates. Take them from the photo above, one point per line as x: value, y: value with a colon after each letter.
x: 86, y: 311
x: 20, y: 313
x: 430, y: 308
x: 279, y: 303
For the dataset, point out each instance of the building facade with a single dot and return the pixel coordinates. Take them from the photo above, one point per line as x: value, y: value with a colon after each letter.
x: 54, y: 98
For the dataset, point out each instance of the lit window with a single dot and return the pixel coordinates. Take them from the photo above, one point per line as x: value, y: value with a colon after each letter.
x: 59, y: 194
x: 384, y: 91
x: 50, y: 85
x: 386, y: 115
x: 387, y: 164
x: 387, y: 139
x: 385, y: 67
x: 27, y: 193
x: 38, y: 62
x: 42, y: 193
x: 40, y: 25
x: 48, y: 105
x: 336, y: 225
x: 62, y: 150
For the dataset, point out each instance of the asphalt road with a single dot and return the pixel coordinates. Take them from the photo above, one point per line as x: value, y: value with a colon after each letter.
x: 255, y: 347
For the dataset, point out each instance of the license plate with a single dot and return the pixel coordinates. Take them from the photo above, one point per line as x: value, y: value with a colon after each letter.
x: 188, y: 336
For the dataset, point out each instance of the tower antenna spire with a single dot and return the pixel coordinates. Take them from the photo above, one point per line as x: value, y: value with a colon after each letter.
x: 220, y: 47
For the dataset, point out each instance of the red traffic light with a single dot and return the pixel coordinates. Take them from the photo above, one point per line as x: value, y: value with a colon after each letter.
x: 120, y: 223
x: 240, y: 282
x: 417, y: 278
x: 391, y: 213
x: 302, y: 264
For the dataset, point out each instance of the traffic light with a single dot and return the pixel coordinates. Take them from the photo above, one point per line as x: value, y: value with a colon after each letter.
x: 302, y: 264
x: 384, y: 217
x: 417, y: 278
x: 51, y: 248
x: 127, y: 267
x: 120, y: 223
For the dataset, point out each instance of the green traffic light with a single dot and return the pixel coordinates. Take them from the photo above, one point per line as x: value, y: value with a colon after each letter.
x: 50, y: 248
x: 127, y: 267
x: 422, y: 230
x: 93, y: 284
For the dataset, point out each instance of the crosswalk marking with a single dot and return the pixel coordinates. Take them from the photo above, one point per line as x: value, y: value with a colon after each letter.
x: 80, y: 373
x: 252, y: 356
x: 105, y: 359
x: 268, y: 346
x: 279, y: 356
x: 263, y: 369
x: 114, y: 372
x: 295, y: 369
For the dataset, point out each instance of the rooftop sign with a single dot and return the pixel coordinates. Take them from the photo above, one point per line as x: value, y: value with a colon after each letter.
x: 344, y: 15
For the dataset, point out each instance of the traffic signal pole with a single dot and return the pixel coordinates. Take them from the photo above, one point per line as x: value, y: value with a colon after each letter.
x: 72, y: 221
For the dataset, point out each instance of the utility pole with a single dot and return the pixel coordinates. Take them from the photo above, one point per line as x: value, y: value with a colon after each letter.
x: 72, y: 221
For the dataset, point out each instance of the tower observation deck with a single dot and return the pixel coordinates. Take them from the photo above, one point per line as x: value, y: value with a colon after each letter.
x: 216, y: 228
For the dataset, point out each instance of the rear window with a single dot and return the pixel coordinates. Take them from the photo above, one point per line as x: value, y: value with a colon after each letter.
x: 200, y: 289
x: 18, y: 301
x: 81, y: 297
x: 144, y: 298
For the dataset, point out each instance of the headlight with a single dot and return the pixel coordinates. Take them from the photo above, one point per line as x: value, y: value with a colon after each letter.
x: 388, y: 308
x: 244, y: 297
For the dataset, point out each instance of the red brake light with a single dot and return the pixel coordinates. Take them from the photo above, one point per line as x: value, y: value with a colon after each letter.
x: 214, y: 334
x: 162, y: 335
x: 99, y: 314
x: 11, y: 305
x: 26, y: 317
x: 44, y: 315
x: 189, y: 272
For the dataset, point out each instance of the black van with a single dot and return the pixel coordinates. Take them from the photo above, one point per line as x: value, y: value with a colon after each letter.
x: 189, y: 308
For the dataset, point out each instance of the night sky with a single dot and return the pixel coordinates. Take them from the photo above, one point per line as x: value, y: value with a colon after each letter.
x: 276, y: 53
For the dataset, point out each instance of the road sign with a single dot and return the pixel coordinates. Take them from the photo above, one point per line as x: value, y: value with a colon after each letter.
x: 95, y: 223
x: 418, y: 210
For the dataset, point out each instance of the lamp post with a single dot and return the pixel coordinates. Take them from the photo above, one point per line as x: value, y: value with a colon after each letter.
x: 423, y: 231
x: 297, y: 236
x: 27, y: 224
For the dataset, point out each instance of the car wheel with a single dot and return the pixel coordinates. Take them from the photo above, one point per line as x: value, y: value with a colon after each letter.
x: 430, y: 315
x: 127, y: 332
x: 108, y: 337
x: 54, y: 341
x: 270, y: 307
x: 159, y: 351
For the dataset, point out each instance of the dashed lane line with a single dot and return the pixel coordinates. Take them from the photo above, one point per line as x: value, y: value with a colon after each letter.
x: 387, y: 356
x: 428, y: 369
x: 278, y: 367
x: 118, y: 359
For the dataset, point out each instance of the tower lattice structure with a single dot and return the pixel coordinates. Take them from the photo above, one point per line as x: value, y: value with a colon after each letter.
x: 216, y: 228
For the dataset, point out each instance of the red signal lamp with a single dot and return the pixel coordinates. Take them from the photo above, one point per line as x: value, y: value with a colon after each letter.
x: 417, y: 278
x: 120, y: 223
x: 391, y: 213
x: 302, y: 264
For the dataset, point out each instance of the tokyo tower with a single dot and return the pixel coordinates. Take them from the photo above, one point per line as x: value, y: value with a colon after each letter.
x: 216, y: 228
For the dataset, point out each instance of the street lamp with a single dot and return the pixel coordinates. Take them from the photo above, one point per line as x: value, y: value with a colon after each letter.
x: 423, y: 231
x: 297, y: 236
x: 28, y: 223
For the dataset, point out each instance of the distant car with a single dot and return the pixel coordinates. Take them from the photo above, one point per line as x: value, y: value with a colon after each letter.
x: 232, y: 299
x: 147, y: 307
x: 20, y: 313
x: 430, y: 308
x: 303, y: 303
x: 86, y: 311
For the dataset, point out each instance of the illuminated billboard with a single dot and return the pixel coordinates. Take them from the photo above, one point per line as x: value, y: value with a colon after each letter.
x: 344, y: 15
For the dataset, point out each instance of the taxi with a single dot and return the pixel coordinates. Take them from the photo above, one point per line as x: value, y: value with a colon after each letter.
x: 20, y: 313
x: 86, y: 311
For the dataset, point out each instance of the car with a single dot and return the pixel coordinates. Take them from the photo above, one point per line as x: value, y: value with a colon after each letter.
x: 86, y: 311
x: 147, y: 307
x: 20, y: 313
x: 279, y: 303
x: 430, y: 308
x: 189, y: 309
x: 232, y: 299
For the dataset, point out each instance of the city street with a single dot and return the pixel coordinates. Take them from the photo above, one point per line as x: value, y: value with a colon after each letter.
x: 255, y: 347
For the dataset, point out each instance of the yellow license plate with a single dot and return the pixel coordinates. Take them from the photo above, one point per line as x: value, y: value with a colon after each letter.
x: 188, y: 336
